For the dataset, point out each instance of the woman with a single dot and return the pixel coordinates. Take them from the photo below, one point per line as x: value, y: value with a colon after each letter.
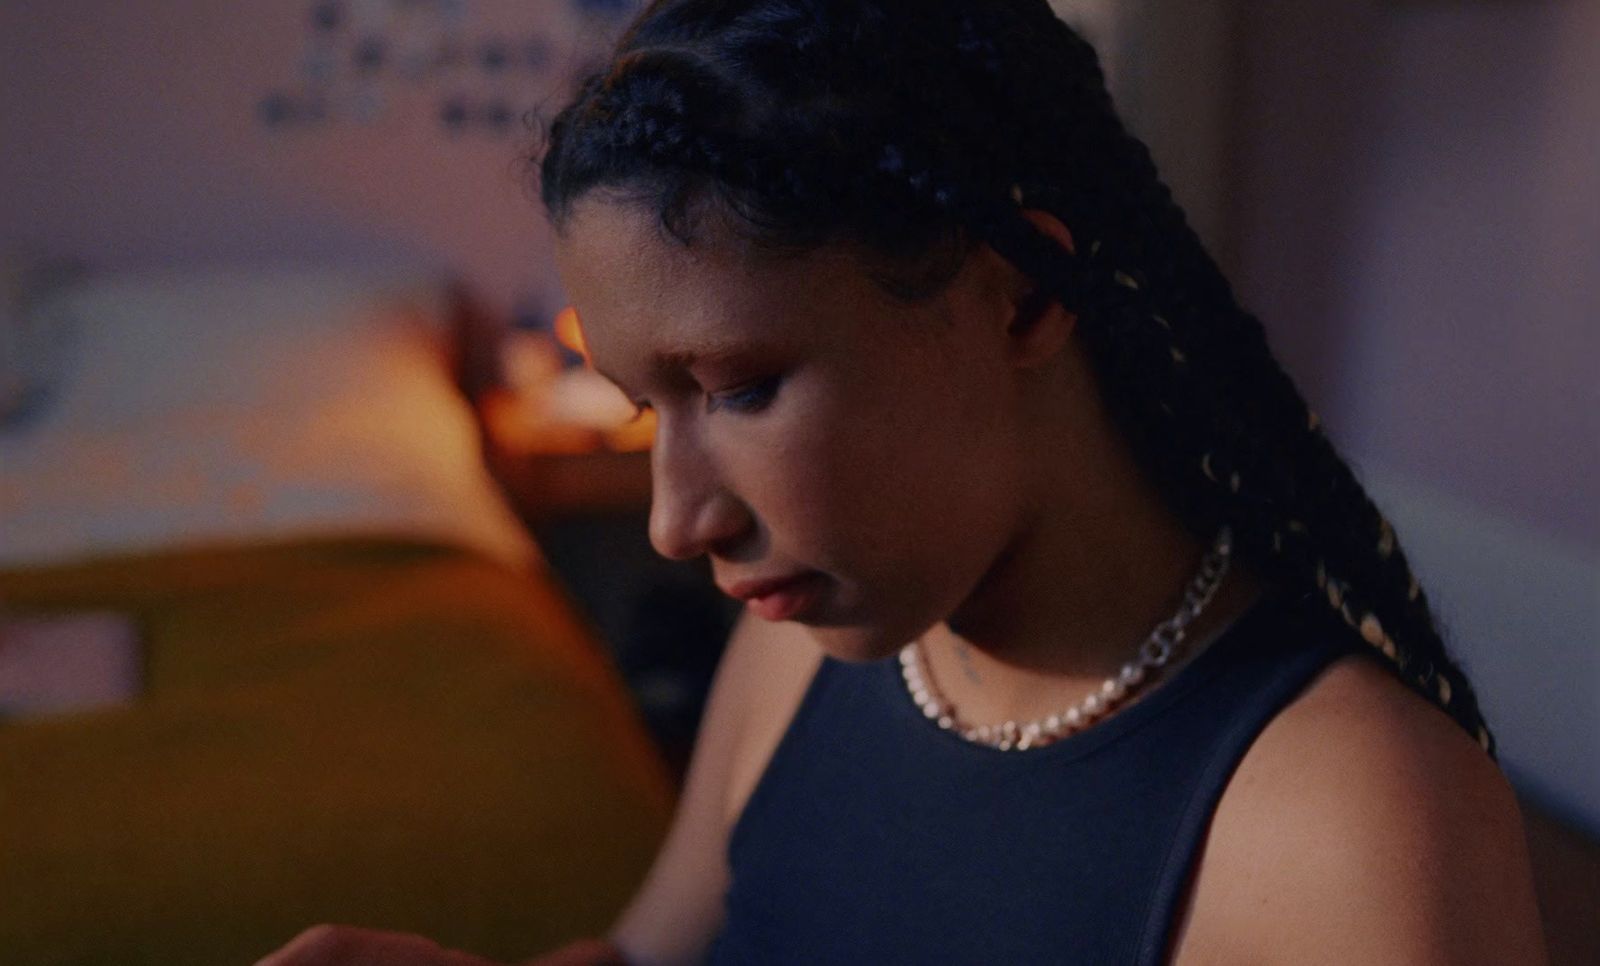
x: 1070, y: 637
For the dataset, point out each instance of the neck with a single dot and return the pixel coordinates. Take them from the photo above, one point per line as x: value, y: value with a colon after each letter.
x: 998, y: 667
x: 1074, y: 595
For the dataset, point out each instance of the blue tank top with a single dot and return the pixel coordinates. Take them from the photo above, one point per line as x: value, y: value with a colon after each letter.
x: 875, y: 837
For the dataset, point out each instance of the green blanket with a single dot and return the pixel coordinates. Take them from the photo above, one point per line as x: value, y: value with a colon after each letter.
x: 389, y: 734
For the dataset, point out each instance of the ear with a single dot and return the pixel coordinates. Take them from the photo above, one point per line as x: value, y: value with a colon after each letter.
x: 1040, y: 326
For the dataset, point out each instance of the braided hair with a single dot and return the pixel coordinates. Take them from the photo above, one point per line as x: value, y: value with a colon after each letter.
x: 918, y: 130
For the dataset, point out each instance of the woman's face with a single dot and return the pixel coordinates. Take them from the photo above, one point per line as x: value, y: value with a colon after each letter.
x: 864, y: 454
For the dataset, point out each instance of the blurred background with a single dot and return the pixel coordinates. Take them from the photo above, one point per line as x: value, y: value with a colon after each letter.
x: 288, y: 402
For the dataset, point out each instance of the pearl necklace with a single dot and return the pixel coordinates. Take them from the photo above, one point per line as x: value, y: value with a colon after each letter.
x: 1153, y: 654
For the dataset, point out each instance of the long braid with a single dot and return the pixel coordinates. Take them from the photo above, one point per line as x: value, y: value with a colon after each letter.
x: 1186, y: 373
x: 1316, y: 517
x: 1305, y: 514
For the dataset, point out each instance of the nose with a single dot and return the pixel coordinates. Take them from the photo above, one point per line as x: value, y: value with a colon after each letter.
x: 691, y: 510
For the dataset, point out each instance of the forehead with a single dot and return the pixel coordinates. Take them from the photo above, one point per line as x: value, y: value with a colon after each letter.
x: 633, y: 284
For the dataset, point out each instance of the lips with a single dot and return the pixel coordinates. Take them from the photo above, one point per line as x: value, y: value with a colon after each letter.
x: 780, y: 598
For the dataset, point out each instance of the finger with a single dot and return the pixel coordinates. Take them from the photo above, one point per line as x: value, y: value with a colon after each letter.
x: 330, y: 945
x: 584, y: 952
x: 334, y: 945
x: 311, y: 945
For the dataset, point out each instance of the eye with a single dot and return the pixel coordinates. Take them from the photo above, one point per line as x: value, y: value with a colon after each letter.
x: 752, y: 397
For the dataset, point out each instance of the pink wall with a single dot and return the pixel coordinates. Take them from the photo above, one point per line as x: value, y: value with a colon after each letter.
x: 130, y: 137
x: 1420, y: 209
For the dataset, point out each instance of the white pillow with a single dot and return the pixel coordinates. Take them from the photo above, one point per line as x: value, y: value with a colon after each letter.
x: 246, y: 404
x: 151, y: 344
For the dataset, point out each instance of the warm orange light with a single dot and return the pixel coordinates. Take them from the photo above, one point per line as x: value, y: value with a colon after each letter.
x: 635, y: 435
x: 569, y: 333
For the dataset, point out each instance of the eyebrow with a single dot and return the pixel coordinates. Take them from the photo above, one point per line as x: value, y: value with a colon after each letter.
x: 679, y: 360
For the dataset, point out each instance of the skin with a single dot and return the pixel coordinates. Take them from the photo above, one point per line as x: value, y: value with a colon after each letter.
x: 948, y: 468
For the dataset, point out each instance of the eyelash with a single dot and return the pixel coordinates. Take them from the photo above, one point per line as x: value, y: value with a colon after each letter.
x: 750, y: 398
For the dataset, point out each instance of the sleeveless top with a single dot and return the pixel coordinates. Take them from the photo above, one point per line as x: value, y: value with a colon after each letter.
x: 875, y: 837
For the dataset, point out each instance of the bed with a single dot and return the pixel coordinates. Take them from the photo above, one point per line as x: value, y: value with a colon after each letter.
x: 277, y: 651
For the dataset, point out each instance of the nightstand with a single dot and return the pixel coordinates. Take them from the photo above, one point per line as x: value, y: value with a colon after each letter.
x: 552, y: 470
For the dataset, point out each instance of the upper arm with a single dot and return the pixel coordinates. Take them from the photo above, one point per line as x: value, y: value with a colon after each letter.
x: 679, y: 907
x: 1366, y: 826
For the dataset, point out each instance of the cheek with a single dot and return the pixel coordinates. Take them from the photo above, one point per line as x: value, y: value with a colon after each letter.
x: 941, y: 454
x: 879, y: 481
x: 799, y: 472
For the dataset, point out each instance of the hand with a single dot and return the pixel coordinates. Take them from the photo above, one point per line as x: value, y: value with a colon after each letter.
x: 350, y: 946
x: 584, y: 952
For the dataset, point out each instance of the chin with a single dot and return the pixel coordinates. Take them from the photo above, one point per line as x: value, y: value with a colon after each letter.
x: 858, y: 644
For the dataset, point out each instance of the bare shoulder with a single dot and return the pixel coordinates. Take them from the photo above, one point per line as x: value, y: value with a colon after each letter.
x: 1364, y: 825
